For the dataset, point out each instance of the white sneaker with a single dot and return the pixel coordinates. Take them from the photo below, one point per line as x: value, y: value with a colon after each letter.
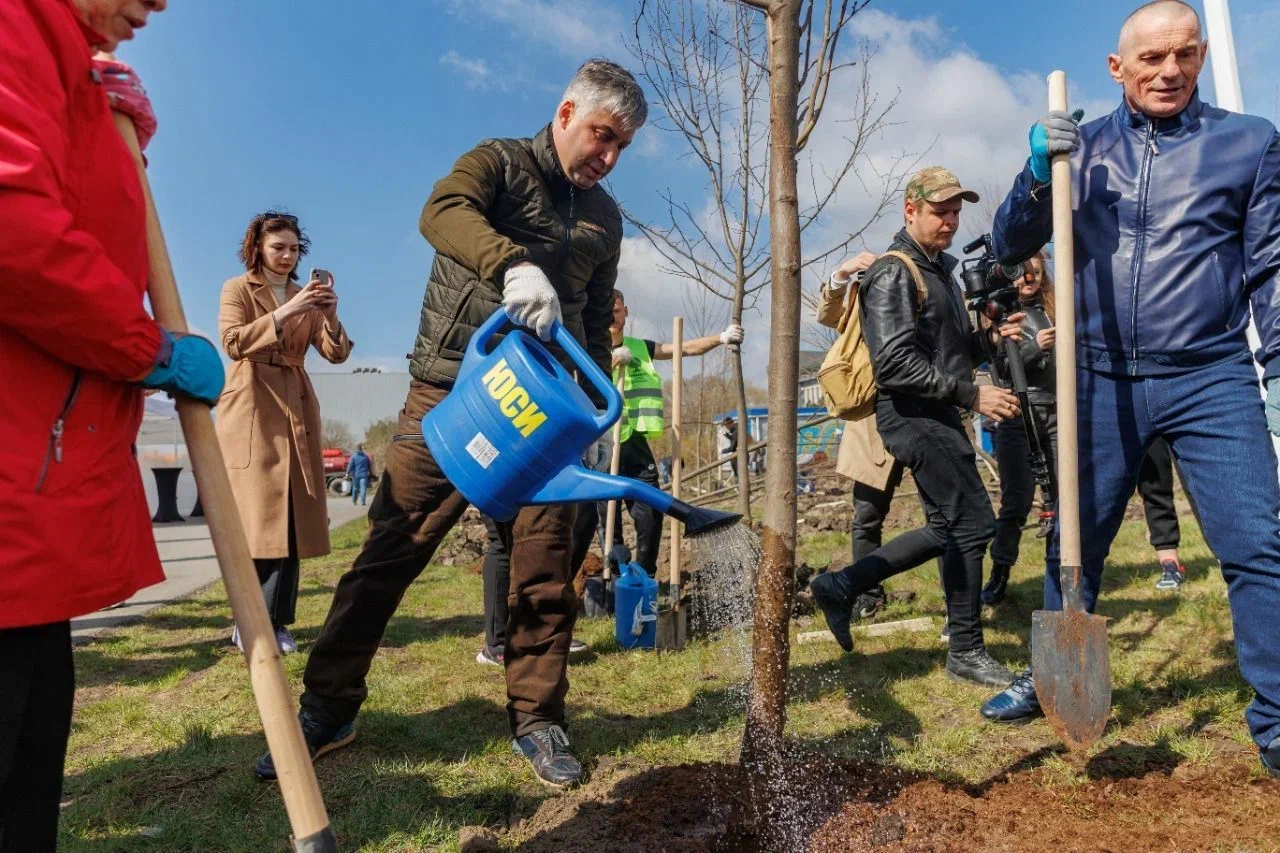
x: 235, y: 638
x: 577, y: 647
x: 288, y: 645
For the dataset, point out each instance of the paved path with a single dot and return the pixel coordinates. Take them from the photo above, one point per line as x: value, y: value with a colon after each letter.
x: 189, y: 566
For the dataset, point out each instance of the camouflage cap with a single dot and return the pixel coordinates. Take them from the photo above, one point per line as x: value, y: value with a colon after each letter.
x: 936, y: 184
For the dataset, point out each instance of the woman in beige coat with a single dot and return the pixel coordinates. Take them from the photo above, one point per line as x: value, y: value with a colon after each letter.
x: 268, y: 417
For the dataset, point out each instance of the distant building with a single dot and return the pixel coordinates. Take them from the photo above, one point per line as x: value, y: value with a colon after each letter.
x: 810, y: 390
x: 815, y: 430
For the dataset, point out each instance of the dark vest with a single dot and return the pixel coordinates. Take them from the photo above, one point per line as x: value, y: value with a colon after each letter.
x: 569, y: 233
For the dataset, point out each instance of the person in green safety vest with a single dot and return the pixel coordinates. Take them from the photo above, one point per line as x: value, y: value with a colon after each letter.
x: 642, y: 420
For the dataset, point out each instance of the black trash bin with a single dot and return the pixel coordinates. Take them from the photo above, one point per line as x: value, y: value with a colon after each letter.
x: 167, y: 495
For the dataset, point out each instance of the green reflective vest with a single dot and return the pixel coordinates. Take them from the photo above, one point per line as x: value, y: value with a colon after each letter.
x: 641, y: 393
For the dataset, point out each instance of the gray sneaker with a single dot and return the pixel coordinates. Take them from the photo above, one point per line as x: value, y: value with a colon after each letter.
x: 288, y: 645
x: 1172, y: 574
x: 548, y: 751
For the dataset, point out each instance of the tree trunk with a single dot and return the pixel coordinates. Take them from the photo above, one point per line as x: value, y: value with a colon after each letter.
x: 766, y: 711
x: 744, y: 478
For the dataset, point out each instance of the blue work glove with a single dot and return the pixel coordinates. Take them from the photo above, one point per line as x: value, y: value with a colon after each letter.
x: 1056, y: 133
x: 1273, y: 405
x: 187, y: 366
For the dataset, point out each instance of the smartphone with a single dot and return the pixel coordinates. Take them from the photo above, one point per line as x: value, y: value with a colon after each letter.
x: 322, y: 276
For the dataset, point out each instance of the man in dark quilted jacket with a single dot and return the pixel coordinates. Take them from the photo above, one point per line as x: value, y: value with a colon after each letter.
x: 522, y: 224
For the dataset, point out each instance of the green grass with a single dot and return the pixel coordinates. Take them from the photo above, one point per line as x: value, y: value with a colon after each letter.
x: 166, y: 731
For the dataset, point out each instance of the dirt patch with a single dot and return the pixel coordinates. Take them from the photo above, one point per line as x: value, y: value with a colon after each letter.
x: 859, y: 806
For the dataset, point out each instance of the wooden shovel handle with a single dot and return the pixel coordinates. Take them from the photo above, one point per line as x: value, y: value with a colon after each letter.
x: 302, y: 800
x: 1065, y: 348
x: 615, y: 464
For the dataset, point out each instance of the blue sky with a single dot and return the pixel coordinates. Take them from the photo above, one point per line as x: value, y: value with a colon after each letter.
x: 346, y: 117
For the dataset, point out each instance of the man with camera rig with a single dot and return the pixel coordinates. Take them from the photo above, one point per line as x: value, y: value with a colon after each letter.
x: 1177, y: 236
x: 923, y: 349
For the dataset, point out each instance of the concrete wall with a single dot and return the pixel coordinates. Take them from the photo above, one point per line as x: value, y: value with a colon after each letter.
x: 360, y: 399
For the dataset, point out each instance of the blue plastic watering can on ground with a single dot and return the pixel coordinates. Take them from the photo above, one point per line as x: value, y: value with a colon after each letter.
x: 512, y: 431
x: 635, y: 597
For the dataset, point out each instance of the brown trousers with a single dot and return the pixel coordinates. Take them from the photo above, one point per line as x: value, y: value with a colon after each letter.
x: 414, y: 508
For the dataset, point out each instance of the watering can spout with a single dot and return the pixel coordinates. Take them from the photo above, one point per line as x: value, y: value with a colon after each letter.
x: 699, y: 519
x: 575, y: 484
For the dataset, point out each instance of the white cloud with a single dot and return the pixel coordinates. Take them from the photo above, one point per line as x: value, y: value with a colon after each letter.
x: 475, y: 72
x: 579, y: 28
x: 962, y: 110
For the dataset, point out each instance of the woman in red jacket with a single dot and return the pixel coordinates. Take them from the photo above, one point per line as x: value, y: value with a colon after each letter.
x: 76, y: 350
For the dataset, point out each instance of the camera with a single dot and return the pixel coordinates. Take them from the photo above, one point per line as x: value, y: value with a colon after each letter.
x: 990, y: 286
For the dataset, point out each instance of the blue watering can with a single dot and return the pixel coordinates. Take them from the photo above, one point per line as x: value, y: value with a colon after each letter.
x: 512, y: 431
x: 635, y: 608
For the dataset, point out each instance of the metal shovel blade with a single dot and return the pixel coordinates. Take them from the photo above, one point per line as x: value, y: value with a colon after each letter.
x: 1072, y: 673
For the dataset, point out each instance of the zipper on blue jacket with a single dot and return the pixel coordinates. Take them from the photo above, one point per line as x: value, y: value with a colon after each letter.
x: 54, y: 453
x: 1149, y: 151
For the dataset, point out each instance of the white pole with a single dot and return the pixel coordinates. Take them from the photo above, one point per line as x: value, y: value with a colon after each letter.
x: 1222, y: 54
x: 1226, y: 88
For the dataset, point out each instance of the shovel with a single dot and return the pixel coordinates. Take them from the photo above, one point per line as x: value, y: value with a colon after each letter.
x: 1069, y: 647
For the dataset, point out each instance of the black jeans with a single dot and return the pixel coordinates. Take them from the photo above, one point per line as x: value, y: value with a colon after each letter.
x: 1155, y: 484
x: 497, y: 583
x: 929, y: 438
x: 37, y: 690
x: 635, y: 461
x: 870, y: 509
x: 1017, y: 483
x: 279, y: 579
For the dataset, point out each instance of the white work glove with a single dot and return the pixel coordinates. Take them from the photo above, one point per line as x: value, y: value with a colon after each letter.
x: 622, y: 356
x: 530, y: 299
x: 732, y: 335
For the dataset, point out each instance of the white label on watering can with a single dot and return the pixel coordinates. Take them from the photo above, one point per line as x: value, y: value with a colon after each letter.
x: 482, y: 450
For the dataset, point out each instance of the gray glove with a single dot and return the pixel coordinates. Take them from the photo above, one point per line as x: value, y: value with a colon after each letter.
x: 1056, y: 133
x: 622, y: 356
x: 619, y: 555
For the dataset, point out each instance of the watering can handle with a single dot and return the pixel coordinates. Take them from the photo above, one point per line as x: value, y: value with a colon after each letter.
x: 478, y: 346
x: 612, y: 399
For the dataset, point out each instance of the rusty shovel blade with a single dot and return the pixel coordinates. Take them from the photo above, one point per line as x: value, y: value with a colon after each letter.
x: 1072, y: 673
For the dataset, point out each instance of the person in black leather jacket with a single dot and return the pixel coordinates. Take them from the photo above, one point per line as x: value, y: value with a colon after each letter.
x: 924, y: 354
x: 1177, y: 241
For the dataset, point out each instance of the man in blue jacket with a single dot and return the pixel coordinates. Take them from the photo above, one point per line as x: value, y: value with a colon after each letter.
x: 1177, y: 237
x: 358, y: 469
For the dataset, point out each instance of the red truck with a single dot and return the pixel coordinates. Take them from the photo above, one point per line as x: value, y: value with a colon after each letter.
x: 335, y: 470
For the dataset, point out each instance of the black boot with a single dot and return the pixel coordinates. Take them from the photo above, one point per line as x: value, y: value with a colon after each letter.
x: 993, y: 592
x: 979, y: 667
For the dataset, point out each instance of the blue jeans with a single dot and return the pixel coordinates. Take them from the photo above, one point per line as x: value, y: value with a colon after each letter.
x: 1213, y: 419
x: 359, y: 490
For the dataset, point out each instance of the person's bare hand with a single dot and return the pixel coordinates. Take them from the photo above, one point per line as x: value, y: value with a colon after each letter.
x: 997, y: 403
x: 1045, y: 338
x: 850, y: 267
x: 327, y: 298
x: 313, y: 297
x: 1012, y: 326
